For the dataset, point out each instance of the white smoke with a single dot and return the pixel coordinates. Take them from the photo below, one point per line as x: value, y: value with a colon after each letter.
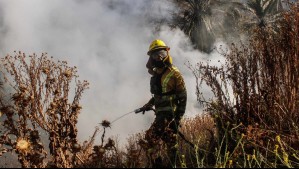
x: 107, y: 40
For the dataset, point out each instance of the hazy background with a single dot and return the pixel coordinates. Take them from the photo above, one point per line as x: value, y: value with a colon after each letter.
x: 107, y: 40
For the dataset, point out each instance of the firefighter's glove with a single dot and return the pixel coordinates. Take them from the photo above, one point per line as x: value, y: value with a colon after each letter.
x: 147, y: 107
x: 144, y: 108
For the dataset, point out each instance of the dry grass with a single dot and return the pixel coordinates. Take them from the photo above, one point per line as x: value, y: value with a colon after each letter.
x: 198, y: 130
x: 256, y: 92
x: 252, y: 120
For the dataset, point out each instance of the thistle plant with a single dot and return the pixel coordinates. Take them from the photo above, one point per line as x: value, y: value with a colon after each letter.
x: 39, y: 100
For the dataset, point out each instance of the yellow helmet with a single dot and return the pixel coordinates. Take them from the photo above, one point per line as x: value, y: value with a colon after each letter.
x: 157, y: 44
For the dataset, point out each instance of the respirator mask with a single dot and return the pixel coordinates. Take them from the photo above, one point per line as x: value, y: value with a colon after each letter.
x: 158, y: 58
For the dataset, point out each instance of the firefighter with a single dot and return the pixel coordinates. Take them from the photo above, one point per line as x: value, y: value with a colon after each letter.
x: 169, y: 97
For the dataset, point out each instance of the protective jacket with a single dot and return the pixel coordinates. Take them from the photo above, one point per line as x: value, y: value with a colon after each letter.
x: 169, y: 91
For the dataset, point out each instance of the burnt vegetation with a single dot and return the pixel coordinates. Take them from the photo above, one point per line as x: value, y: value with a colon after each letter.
x: 251, y: 120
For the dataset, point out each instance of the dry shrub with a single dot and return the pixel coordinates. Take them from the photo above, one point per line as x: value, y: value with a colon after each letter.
x: 106, y: 155
x: 139, y: 153
x: 40, y: 102
x: 135, y: 155
x: 200, y: 131
x: 256, y: 91
x: 41, y: 105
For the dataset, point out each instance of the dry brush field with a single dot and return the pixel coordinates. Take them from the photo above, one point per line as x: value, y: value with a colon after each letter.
x: 251, y: 121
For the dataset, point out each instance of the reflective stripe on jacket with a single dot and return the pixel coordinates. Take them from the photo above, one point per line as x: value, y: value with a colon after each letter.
x: 174, y: 95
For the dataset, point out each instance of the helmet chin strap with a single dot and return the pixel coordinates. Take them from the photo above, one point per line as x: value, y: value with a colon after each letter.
x: 167, y: 56
x: 167, y: 60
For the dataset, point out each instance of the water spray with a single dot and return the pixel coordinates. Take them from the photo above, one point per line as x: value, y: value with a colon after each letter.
x: 106, y: 123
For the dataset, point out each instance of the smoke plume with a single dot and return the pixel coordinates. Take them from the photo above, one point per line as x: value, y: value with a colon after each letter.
x: 107, y: 40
